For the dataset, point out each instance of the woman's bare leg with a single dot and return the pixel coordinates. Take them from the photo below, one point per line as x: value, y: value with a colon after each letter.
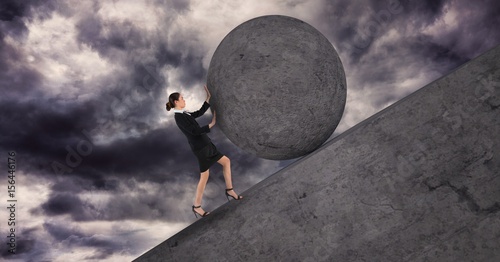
x: 199, y: 191
x: 226, y: 170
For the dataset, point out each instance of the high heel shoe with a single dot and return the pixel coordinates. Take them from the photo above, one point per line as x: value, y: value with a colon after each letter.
x: 196, y: 213
x: 228, y: 195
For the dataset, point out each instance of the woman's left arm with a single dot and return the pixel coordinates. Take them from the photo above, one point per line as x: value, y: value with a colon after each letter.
x: 202, y: 110
x: 204, y: 107
x: 208, y: 94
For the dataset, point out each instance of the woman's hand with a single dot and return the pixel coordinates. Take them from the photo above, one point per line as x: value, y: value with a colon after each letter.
x: 208, y: 93
x: 213, y: 122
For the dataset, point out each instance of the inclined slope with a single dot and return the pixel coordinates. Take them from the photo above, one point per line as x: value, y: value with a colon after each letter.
x: 418, y: 181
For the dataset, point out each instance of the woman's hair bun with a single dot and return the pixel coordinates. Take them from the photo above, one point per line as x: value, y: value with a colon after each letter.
x: 171, y: 100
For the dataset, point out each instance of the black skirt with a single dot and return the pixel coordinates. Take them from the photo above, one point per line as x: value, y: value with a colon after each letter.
x: 207, y: 156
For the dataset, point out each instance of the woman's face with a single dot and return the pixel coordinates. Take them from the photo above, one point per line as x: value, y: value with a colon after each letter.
x: 180, y: 103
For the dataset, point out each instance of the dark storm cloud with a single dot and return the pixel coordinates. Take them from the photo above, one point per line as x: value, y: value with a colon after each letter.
x: 104, y: 36
x: 355, y: 26
x: 26, y: 80
x: 149, y: 204
x: 441, y: 58
x: 474, y: 31
x: 12, y: 12
x: 477, y: 30
x: 139, y: 86
x: 68, y: 203
x: 46, y: 140
x: 174, y: 6
x: 422, y: 13
x: 11, y: 9
x: 29, y: 247
x: 41, y: 131
x: 79, y: 184
x: 143, y: 158
x: 192, y: 70
x: 16, y: 77
x: 74, y: 238
x: 356, y: 31
x: 23, y: 247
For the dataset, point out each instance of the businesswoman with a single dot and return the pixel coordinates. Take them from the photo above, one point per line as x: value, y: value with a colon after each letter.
x: 202, y: 147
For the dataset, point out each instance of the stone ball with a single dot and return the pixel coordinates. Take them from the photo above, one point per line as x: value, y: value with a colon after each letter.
x: 278, y: 87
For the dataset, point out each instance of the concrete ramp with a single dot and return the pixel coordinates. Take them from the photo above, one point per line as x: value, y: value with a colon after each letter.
x: 418, y: 181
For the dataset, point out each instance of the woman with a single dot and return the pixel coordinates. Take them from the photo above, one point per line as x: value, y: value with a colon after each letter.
x: 202, y: 147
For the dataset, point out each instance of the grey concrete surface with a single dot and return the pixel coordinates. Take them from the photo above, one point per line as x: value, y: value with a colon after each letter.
x: 278, y: 87
x: 418, y: 181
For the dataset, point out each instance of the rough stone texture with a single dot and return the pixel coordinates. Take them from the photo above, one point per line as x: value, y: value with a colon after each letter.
x: 418, y: 181
x: 278, y: 87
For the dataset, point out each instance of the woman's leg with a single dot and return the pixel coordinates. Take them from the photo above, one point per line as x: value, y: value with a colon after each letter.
x: 200, y: 189
x: 226, y: 170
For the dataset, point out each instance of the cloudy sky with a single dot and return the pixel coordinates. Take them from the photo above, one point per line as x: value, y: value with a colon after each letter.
x: 103, y: 173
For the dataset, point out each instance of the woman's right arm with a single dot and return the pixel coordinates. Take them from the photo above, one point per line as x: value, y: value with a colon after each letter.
x: 192, y: 129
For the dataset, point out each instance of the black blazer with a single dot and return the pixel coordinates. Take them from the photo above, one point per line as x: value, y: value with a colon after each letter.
x: 196, y: 135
